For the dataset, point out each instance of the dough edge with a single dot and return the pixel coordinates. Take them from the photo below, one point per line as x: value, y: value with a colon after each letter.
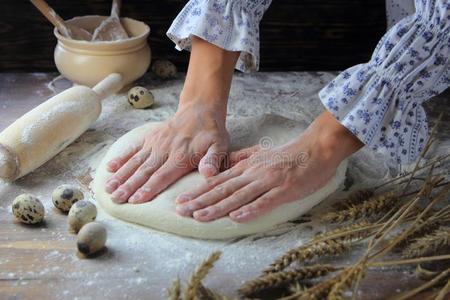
x: 159, y: 213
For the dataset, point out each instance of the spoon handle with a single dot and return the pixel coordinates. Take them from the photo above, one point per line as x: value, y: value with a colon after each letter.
x: 115, y: 10
x: 52, y: 16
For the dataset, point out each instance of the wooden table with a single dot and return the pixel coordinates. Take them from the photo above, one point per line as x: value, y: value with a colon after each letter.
x: 41, y: 262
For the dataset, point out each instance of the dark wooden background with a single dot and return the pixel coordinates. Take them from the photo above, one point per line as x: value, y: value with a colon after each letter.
x: 295, y: 34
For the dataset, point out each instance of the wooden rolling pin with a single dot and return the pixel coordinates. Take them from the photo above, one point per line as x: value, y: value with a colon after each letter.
x: 43, y: 132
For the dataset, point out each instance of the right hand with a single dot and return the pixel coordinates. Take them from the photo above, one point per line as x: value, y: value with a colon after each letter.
x: 194, y: 137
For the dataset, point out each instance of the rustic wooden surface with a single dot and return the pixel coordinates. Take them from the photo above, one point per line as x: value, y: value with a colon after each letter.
x: 295, y: 35
x: 37, y: 261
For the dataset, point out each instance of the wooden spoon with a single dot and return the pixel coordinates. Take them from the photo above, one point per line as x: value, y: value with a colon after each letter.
x: 69, y: 31
x: 111, y: 29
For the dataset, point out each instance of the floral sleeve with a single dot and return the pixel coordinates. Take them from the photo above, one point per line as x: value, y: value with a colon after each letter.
x: 229, y: 24
x: 381, y: 101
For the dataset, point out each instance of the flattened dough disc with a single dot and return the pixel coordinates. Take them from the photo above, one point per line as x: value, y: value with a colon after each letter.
x: 160, y: 213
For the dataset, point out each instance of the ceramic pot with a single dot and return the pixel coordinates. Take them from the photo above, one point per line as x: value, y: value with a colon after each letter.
x: 87, y: 63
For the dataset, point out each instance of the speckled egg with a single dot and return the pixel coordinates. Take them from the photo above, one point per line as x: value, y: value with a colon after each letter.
x: 81, y: 213
x: 28, y: 209
x: 91, y: 238
x: 140, y: 97
x: 164, y: 69
x: 64, y: 196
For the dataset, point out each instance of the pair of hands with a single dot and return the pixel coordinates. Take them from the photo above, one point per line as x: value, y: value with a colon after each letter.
x: 257, y: 180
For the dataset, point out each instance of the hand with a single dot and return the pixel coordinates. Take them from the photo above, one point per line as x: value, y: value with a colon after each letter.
x: 262, y: 179
x: 191, y: 138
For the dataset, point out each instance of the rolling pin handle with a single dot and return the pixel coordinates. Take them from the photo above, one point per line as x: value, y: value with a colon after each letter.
x: 108, y: 86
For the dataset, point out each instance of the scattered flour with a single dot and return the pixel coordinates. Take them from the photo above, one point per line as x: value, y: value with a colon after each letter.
x: 162, y: 257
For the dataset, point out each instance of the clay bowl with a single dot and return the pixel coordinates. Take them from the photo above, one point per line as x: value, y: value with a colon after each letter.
x: 87, y: 63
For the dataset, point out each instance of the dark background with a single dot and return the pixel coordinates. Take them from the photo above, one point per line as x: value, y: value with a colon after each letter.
x: 295, y: 34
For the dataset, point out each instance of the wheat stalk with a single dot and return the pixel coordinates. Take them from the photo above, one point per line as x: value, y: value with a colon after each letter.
x: 277, y: 279
x: 194, y: 282
x: 345, y: 281
x: 353, y: 231
x: 434, y: 161
x: 445, y: 290
x: 428, y: 244
x: 424, y: 274
x: 371, y: 207
x: 436, y: 280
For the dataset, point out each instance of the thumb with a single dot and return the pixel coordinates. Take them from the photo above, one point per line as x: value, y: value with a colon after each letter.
x: 210, y: 163
x: 242, y: 154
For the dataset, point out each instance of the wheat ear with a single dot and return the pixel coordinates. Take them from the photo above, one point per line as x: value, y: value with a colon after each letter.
x: 428, y: 244
x: 200, y: 273
x: 174, y: 291
x: 355, y: 198
x: 320, y: 290
x: 208, y: 294
x: 272, y: 280
x: 369, y: 208
x: 307, y: 252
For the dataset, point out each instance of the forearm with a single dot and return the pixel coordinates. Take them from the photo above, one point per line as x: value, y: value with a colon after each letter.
x: 209, y: 76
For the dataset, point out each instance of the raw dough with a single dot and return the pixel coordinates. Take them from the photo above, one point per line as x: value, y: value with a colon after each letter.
x: 160, y: 213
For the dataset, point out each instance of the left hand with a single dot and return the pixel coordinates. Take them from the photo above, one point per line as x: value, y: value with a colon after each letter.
x: 262, y: 179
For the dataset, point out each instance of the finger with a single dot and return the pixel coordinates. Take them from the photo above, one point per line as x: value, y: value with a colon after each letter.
x: 211, y: 182
x: 116, y: 163
x: 237, y: 156
x: 213, y: 196
x: 126, y: 170
x: 135, y: 181
x: 167, y: 174
x: 261, y: 205
x: 210, y: 163
x: 239, y: 198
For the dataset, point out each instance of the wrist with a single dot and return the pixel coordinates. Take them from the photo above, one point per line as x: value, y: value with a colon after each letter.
x: 331, y: 141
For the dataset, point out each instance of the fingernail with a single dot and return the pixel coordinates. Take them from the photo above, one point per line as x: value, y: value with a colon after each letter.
x: 118, y: 195
x: 112, y: 165
x: 209, y: 170
x: 183, y: 199
x: 201, y: 213
x: 112, y: 186
x: 135, y: 198
x: 240, y: 215
x: 146, y: 189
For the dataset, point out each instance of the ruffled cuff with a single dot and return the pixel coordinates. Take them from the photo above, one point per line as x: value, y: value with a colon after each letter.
x: 232, y: 25
x: 381, y: 101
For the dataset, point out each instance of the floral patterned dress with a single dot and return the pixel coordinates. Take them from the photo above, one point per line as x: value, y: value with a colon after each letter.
x: 379, y: 101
